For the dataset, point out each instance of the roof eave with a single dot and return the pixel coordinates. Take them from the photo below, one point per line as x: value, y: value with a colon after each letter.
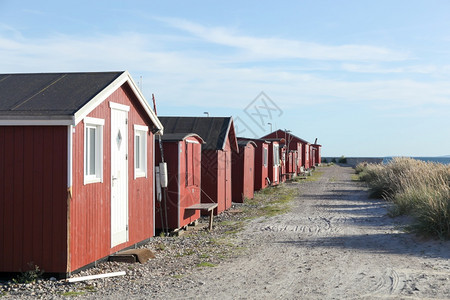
x: 235, y: 144
x: 57, y: 120
x: 125, y: 77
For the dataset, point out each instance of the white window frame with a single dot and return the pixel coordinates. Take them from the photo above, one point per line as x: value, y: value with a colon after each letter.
x: 276, y: 155
x: 97, y: 124
x: 141, y: 132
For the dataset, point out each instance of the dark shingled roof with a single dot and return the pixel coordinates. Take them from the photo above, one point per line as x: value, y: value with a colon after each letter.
x: 50, y: 94
x: 287, y: 134
x: 213, y: 130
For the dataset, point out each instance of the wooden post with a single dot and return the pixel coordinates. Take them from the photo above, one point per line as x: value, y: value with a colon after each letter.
x: 211, y: 219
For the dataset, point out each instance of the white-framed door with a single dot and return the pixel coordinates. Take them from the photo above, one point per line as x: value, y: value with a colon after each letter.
x: 276, y: 163
x: 119, y: 174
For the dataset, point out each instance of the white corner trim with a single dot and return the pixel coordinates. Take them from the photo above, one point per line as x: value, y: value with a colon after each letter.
x: 119, y: 106
x: 94, y: 121
x: 69, y: 155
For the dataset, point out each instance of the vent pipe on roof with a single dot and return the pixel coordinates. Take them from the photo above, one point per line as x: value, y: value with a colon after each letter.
x: 206, y: 113
x: 154, y: 104
x: 315, y: 142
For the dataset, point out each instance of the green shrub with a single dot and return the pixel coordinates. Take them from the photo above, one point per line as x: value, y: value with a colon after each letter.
x: 31, y: 275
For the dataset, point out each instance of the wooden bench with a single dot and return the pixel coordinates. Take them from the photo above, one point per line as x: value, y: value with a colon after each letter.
x: 205, y: 206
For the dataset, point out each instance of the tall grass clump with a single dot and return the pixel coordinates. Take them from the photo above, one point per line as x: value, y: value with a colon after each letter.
x: 417, y: 188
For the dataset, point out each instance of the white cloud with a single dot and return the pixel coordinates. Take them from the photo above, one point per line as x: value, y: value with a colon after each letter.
x: 276, y: 48
x: 405, y: 69
x: 212, y: 79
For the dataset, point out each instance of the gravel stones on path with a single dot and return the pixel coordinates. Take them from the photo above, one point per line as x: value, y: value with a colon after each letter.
x: 332, y: 243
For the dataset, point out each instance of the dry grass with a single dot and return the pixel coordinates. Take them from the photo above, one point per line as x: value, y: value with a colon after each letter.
x: 272, y: 201
x: 418, y: 188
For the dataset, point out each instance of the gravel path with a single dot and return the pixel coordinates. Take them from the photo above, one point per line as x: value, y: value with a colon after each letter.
x: 335, y: 243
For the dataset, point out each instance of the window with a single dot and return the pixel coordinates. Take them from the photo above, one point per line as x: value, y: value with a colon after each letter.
x: 140, y: 151
x: 276, y: 155
x: 93, y: 150
x: 265, y: 157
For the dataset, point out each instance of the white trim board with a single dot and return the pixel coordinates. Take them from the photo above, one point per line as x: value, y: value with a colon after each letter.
x: 105, y: 93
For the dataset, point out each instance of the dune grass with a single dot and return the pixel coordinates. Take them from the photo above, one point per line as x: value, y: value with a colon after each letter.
x: 417, y: 188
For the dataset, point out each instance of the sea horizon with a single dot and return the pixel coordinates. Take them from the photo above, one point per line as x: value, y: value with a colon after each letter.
x: 445, y: 159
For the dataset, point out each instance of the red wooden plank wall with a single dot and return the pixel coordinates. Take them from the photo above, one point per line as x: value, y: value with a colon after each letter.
x: 249, y: 169
x: 305, y: 155
x: 238, y: 175
x: 261, y: 171
x: 243, y: 174
x: 33, y: 198
x: 299, y: 157
x: 90, y: 213
x: 190, y: 159
x: 210, y: 180
x: 171, y: 158
x: 216, y: 177
x: 227, y: 170
x: 190, y: 193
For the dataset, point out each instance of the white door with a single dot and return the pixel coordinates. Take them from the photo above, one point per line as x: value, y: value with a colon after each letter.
x: 276, y: 162
x: 276, y: 171
x: 119, y: 175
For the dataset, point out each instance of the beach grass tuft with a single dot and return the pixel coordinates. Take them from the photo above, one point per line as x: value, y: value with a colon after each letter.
x: 417, y: 188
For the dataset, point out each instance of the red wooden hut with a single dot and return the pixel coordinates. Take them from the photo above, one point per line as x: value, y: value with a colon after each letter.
x: 305, y: 155
x: 318, y: 155
x: 261, y: 162
x: 283, y: 161
x: 312, y: 155
x: 76, y: 169
x: 183, y: 154
x: 299, y: 164
x: 292, y: 141
x: 220, y: 141
x: 291, y: 164
x: 243, y: 171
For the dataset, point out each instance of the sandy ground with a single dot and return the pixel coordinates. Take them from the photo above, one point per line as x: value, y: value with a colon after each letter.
x: 334, y: 244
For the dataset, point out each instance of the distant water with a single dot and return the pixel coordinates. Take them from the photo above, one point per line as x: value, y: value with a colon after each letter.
x: 441, y: 159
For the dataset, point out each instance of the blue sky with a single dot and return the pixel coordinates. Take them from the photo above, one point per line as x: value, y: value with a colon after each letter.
x: 367, y: 78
